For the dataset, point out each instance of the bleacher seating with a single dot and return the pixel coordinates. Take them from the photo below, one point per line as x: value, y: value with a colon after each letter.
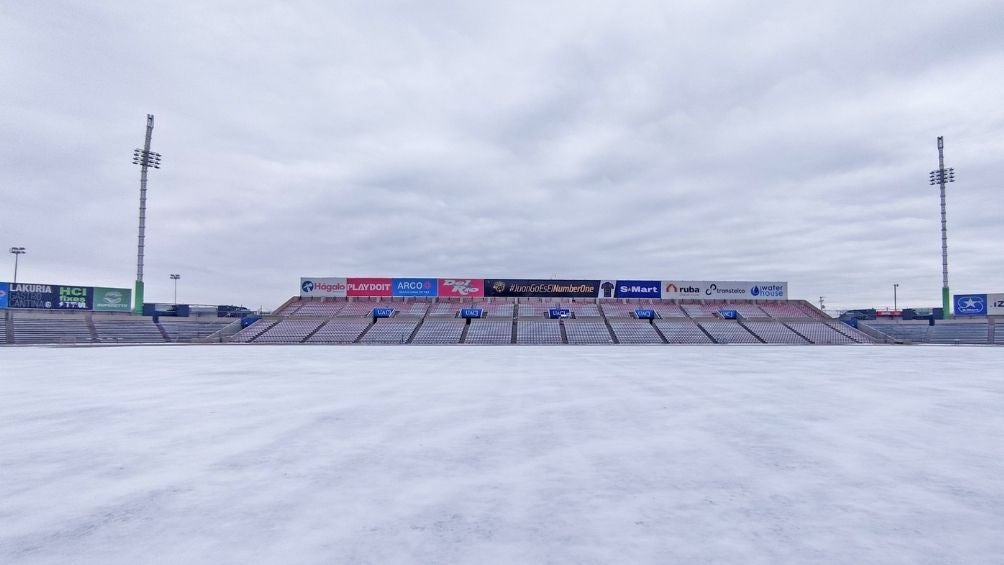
x: 774, y: 332
x: 252, y: 331
x: 339, y: 331
x: 583, y: 309
x: 421, y: 320
x: 618, y: 309
x: 724, y: 331
x: 418, y: 308
x: 959, y: 333
x: 184, y: 330
x: 785, y: 310
x: 533, y: 308
x: 497, y: 309
x: 682, y: 331
x: 667, y: 309
x: 45, y: 329
x: 359, y: 308
x: 319, y: 308
x: 489, y: 331
x: 820, y: 333
x: 292, y: 306
x: 747, y: 311
x: 3, y: 328
x: 913, y: 333
x: 446, y: 309
x: 290, y: 330
x: 391, y: 330
x: 538, y: 332
x: 999, y: 333
x: 703, y: 310
x: 126, y: 329
x: 635, y: 331
x: 855, y: 334
x: 443, y: 330
x: 583, y: 331
x: 944, y: 333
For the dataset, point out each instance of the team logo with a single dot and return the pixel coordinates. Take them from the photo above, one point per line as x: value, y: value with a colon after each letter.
x: 499, y: 286
x: 463, y: 287
x: 113, y: 297
x: 971, y: 305
x: 307, y: 286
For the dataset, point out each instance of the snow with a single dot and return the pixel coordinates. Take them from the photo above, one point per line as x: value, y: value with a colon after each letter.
x: 231, y: 454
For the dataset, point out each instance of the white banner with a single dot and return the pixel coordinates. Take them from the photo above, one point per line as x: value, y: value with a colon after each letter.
x: 725, y: 290
x: 323, y: 287
x: 995, y: 305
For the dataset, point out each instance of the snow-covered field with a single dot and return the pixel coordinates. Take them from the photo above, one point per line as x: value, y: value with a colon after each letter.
x: 510, y: 455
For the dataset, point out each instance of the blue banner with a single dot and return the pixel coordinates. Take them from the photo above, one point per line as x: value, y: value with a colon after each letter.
x: 638, y: 289
x: 472, y: 312
x: 383, y: 312
x: 4, y: 294
x: 728, y: 314
x: 970, y: 304
x: 643, y: 314
x: 30, y: 295
x: 414, y: 287
x: 558, y: 313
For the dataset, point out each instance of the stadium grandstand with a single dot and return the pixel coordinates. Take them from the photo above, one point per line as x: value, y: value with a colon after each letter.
x: 341, y: 311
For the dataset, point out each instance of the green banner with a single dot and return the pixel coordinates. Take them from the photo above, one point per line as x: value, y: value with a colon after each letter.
x: 112, y: 299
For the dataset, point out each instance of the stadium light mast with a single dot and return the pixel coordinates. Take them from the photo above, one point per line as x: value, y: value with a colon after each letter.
x: 17, y: 251
x: 895, y: 287
x: 941, y: 177
x: 175, y: 277
x: 145, y: 159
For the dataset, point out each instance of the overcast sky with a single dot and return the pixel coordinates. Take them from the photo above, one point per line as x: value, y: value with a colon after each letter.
x: 721, y: 140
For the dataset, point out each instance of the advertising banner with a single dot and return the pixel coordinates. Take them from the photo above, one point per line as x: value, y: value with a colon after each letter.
x: 543, y: 288
x: 30, y: 295
x: 74, y: 298
x: 637, y: 289
x: 460, y: 288
x: 112, y: 299
x: 472, y: 313
x: 970, y: 304
x: 368, y: 287
x: 724, y: 290
x: 995, y: 304
x: 383, y: 312
x: 607, y: 289
x: 414, y: 287
x: 4, y: 294
x: 323, y: 287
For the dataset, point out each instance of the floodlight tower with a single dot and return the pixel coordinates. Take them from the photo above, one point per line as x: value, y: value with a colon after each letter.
x: 941, y: 177
x: 17, y: 252
x: 145, y: 159
x: 175, y: 277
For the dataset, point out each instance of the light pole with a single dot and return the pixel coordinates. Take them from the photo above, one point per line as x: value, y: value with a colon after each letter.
x: 17, y: 251
x: 175, y: 278
x: 894, y: 287
x: 941, y: 177
x: 145, y: 159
